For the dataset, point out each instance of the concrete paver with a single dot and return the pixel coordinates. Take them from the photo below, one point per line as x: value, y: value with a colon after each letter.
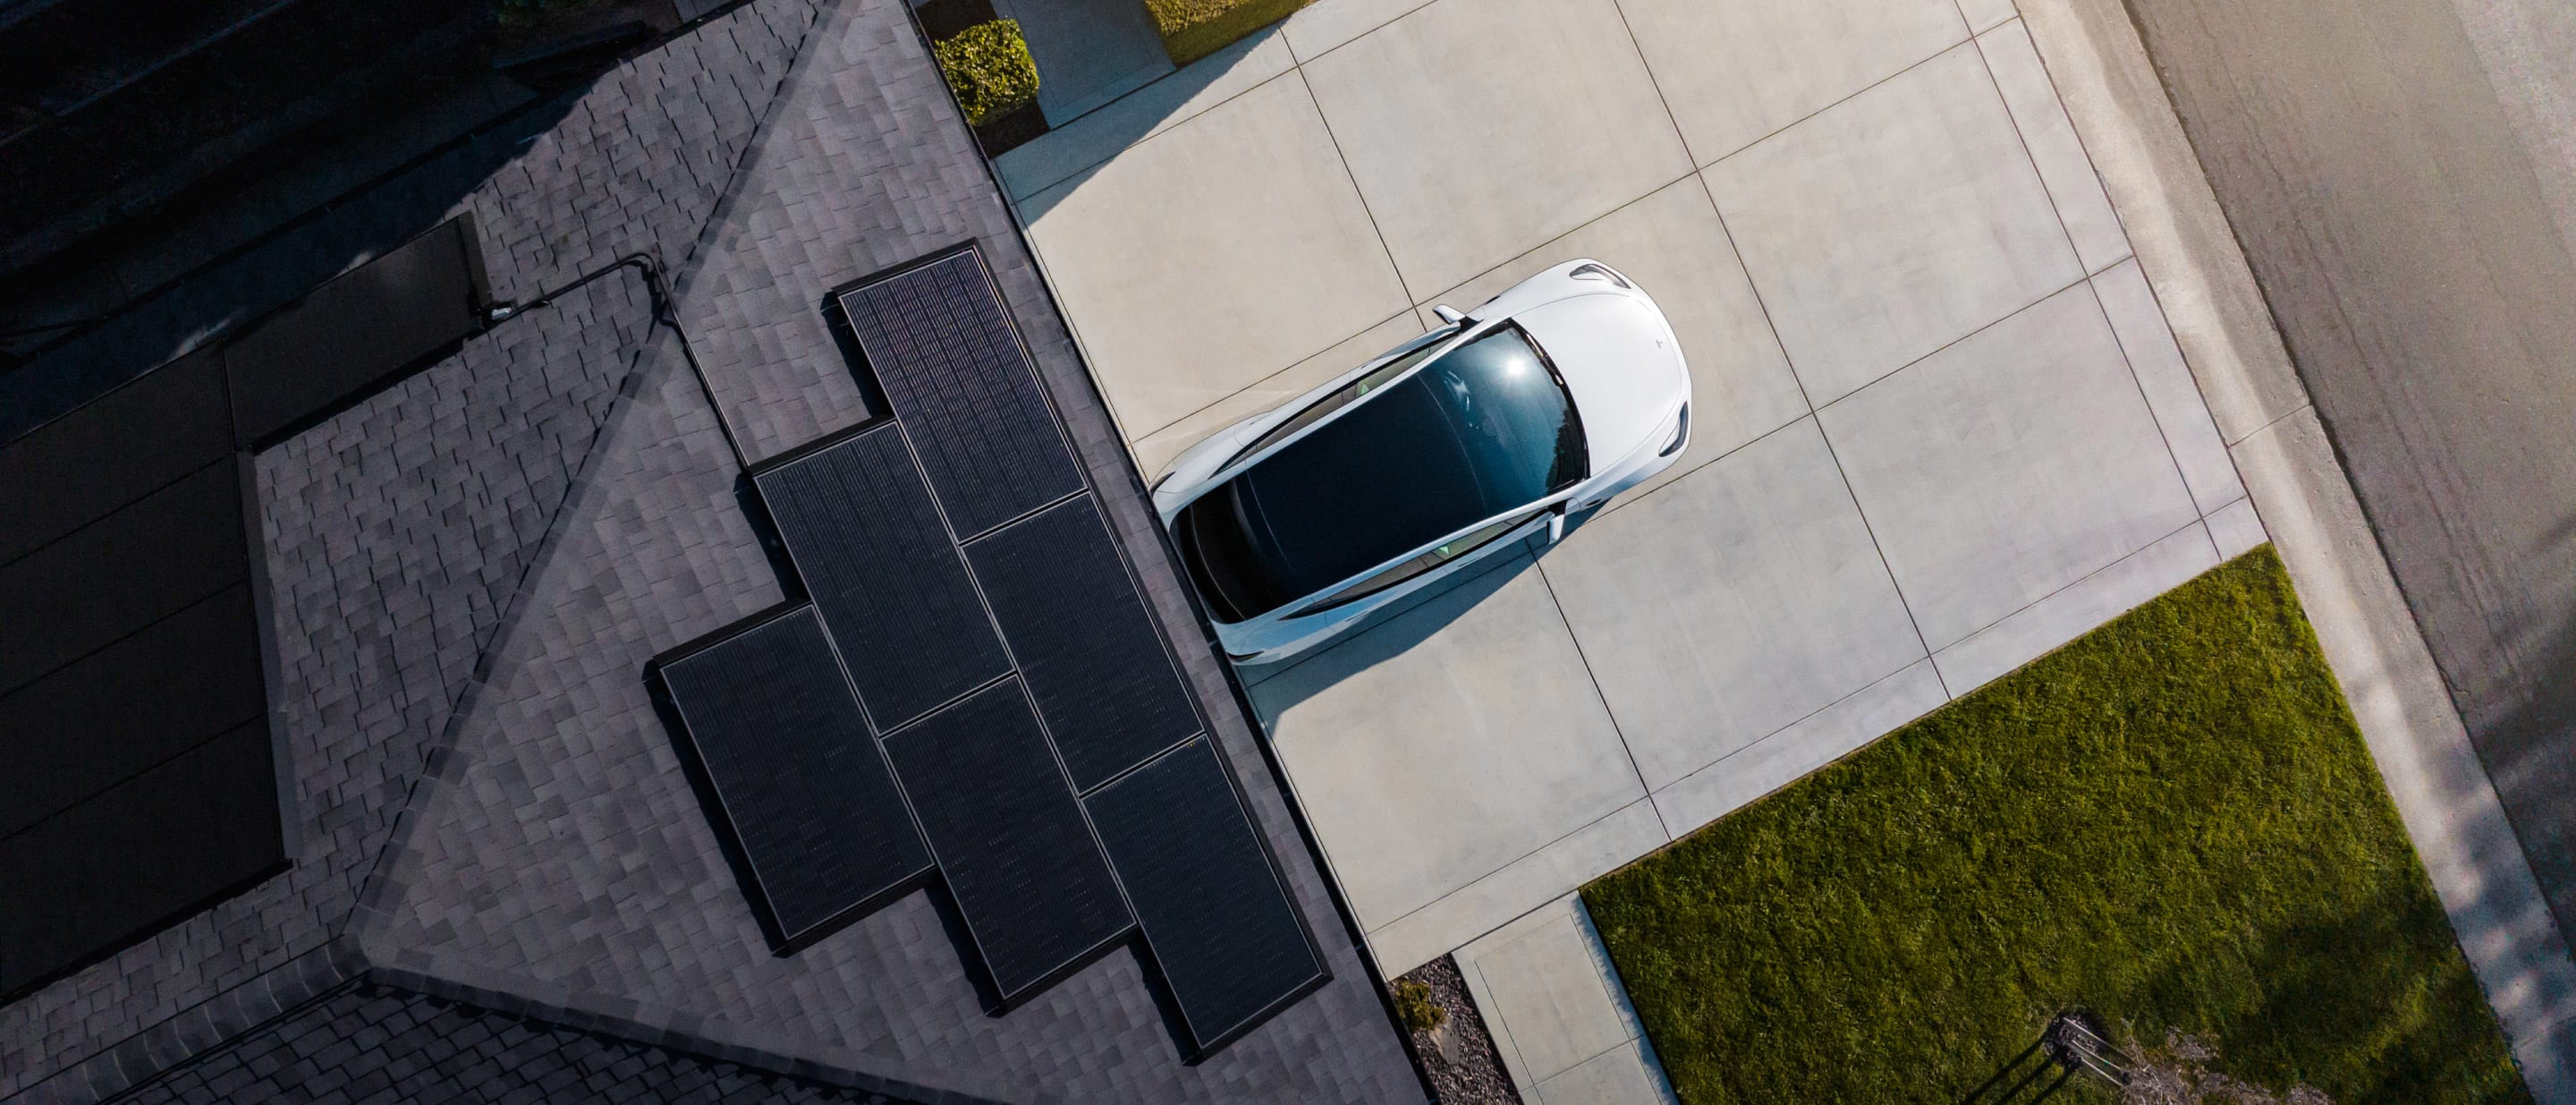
x: 1068, y: 149
x: 2054, y: 149
x: 2166, y: 382
x: 2235, y: 529
x: 1545, y: 977
x: 1560, y: 868
x: 1731, y: 604
x: 1328, y: 25
x: 1480, y: 128
x: 1619, y: 1076
x: 2030, y: 632
x: 1155, y: 450
x: 1284, y: 263
x: 1734, y: 73
x: 1558, y: 1015
x: 1893, y: 224
x: 2007, y: 466
x: 1461, y: 736
x: 1783, y: 757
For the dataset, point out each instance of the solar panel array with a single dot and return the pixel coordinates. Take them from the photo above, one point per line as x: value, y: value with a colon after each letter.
x: 974, y: 694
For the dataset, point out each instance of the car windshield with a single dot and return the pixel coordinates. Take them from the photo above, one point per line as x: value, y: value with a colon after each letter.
x: 1484, y: 429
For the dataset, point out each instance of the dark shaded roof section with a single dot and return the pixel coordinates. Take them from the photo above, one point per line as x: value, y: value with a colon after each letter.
x: 368, y: 1042
x: 112, y: 452
x: 134, y: 735
x: 781, y: 749
x: 129, y: 575
x: 1217, y: 923
x: 356, y: 333
x: 954, y: 371
x: 402, y: 532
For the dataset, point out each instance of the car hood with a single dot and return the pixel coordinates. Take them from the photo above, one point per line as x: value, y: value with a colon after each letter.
x: 1620, y: 360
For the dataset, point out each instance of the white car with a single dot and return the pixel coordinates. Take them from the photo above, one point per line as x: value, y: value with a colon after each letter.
x: 1296, y: 524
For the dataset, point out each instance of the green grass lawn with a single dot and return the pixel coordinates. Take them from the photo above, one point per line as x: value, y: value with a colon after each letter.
x: 2171, y: 822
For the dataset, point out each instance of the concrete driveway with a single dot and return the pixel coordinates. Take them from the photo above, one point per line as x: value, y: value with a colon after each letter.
x: 1942, y: 426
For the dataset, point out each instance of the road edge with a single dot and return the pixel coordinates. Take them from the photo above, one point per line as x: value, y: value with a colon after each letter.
x: 2183, y: 241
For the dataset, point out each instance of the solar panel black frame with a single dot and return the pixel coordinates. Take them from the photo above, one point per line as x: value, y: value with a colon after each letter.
x: 1207, y: 895
x: 1093, y: 658
x: 868, y: 544
x: 1023, y: 869
x: 988, y: 434
x: 720, y: 731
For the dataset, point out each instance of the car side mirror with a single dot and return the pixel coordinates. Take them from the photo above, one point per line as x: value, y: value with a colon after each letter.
x: 1448, y: 314
x: 1556, y: 525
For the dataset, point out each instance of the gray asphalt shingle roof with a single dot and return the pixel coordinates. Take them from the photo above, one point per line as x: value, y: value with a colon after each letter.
x: 469, y: 570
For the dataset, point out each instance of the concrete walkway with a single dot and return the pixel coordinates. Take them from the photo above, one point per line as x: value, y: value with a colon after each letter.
x: 1942, y: 426
x: 1559, y: 1017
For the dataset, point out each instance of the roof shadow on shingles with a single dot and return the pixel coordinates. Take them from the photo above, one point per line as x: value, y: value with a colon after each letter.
x: 367, y: 1040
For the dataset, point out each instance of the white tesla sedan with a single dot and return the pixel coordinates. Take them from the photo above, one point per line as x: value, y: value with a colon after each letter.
x: 1552, y: 397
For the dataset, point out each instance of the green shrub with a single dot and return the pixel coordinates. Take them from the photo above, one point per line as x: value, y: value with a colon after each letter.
x: 989, y: 66
x: 1414, y: 1006
x: 1193, y: 29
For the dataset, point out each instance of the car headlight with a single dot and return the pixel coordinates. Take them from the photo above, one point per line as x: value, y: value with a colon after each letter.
x: 1681, y: 432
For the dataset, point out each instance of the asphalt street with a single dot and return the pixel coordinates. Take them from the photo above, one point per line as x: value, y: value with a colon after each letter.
x: 2402, y: 177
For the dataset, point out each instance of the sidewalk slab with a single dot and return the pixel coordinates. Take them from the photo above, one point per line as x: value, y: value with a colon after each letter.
x: 2033, y: 631
x: 1893, y: 224
x: 1453, y: 740
x: 2007, y: 466
x: 1480, y: 128
x: 2059, y: 155
x: 1559, y: 1017
x: 2166, y: 382
x: 1815, y: 740
x: 1283, y: 262
x: 1735, y: 72
x: 1730, y: 604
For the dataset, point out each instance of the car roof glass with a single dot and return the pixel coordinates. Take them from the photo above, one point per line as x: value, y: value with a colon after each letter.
x: 1482, y: 430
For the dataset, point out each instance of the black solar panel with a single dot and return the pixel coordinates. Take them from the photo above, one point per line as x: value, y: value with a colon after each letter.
x: 148, y: 560
x: 940, y: 344
x: 151, y: 696
x: 1219, y: 925
x: 1019, y: 860
x: 994, y: 638
x: 864, y: 536
x: 1091, y: 655
x: 799, y: 779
